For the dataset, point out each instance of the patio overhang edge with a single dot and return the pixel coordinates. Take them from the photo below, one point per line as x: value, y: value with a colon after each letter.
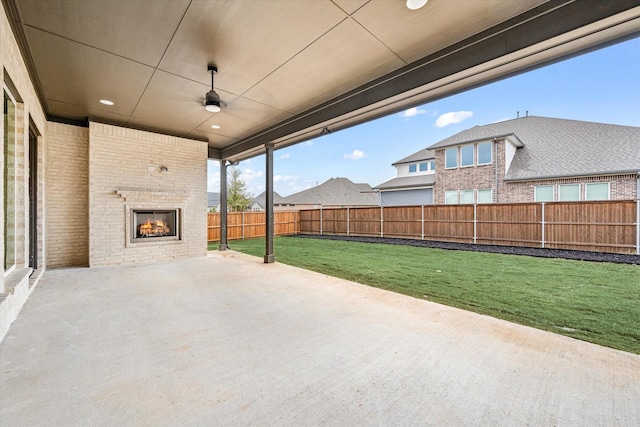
x: 548, y: 33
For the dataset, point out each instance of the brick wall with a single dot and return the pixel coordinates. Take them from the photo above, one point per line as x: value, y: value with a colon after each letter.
x: 465, y: 178
x: 125, y: 173
x: 67, y: 190
x: 621, y: 187
x: 22, y: 177
x: 16, y: 79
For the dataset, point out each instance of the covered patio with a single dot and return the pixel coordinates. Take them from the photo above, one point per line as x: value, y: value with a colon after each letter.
x: 228, y: 340
x: 105, y: 131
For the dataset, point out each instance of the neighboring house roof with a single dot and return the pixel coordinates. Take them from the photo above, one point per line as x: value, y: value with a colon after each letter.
x: 213, y: 199
x: 261, y: 199
x: 408, y: 182
x: 554, y: 148
x: 423, y: 154
x: 335, y: 192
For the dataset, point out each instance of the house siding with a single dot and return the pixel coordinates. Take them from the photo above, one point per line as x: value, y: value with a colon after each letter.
x: 419, y: 196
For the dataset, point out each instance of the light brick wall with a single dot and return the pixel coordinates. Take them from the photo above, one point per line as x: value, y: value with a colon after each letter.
x: 124, y: 173
x: 16, y: 79
x: 22, y: 182
x: 67, y: 189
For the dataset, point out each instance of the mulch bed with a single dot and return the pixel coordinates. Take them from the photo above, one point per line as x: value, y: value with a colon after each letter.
x: 513, y: 250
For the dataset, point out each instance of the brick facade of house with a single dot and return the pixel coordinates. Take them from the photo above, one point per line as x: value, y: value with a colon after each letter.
x: 621, y: 186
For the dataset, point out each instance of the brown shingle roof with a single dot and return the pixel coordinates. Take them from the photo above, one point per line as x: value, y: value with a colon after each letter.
x: 335, y: 192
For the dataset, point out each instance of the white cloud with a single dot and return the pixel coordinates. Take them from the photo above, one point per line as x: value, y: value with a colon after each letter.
x: 356, y: 155
x: 284, y: 178
x: 452, y: 118
x: 309, y: 143
x: 412, y: 112
x: 254, y: 180
x: 213, y: 176
x: 285, y: 156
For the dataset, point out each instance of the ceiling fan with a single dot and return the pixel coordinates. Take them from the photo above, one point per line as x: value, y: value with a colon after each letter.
x: 212, y: 102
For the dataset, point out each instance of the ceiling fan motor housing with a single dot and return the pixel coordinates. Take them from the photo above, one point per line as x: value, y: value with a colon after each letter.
x: 212, y: 99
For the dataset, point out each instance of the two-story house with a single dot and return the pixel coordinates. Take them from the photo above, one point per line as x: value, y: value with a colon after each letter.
x: 534, y: 159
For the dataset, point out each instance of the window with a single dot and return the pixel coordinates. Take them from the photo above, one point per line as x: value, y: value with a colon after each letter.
x: 466, y: 155
x: 569, y: 192
x: 543, y: 193
x: 466, y: 196
x: 485, y: 196
x: 484, y: 153
x: 412, y: 168
x: 9, y: 139
x: 451, y: 158
x: 423, y: 167
x: 451, y: 197
x: 597, y: 191
x: 432, y: 165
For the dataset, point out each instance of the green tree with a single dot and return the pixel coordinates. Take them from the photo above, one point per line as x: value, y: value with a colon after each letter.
x: 238, y: 198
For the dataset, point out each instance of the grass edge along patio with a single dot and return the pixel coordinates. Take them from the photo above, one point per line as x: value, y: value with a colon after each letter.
x: 590, y: 301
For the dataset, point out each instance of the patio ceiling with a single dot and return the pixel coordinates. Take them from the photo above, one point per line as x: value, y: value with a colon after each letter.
x: 287, y: 69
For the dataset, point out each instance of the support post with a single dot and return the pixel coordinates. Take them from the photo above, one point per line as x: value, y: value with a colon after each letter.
x: 381, y: 221
x: 223, y: 206
x: 243, y: 219
x: 321, y: 220
x: 269, y: 256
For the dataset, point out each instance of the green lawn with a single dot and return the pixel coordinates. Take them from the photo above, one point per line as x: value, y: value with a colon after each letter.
x: 595, y: 302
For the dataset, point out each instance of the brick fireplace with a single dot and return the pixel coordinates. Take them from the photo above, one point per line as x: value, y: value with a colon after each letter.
x: 145, y: 208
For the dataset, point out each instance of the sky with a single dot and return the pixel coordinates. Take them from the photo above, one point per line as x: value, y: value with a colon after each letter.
x: 600, y: 86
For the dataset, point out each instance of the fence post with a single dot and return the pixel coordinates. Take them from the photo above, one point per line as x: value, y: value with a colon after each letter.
x: 381, y: 221
x: 321, y: 220
x: 422, y: 221
x: 347, y: 221
x: 542, y: 222
x: 638, y: 226
x: 475, y: 223
x: 242, y: 225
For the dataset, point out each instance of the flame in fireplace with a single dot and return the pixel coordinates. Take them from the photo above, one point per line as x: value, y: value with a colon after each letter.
x: 153, y: 227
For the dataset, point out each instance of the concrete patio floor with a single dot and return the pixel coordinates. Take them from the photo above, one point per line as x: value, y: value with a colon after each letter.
x: 228, y: 340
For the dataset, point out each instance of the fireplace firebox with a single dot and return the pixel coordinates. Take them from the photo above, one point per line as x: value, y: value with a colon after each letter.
x: 150, y: 225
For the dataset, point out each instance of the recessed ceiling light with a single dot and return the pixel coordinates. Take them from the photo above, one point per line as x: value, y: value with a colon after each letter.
x: 215, y: 126
x: 106, y: 102
x: 416, y: 4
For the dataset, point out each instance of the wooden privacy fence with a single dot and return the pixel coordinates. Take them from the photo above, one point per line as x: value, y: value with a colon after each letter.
x: 603, y: 226
x: 245, y: 225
